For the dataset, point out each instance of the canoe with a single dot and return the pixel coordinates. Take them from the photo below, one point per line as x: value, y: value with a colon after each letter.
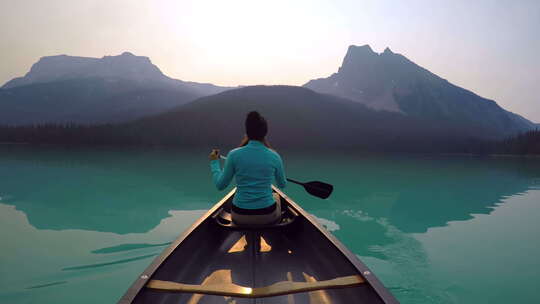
x: 294, y: 261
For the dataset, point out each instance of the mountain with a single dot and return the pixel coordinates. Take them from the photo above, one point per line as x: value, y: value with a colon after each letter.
x: 298, y: 118
x: 391, y: 82
x: 60, y: 89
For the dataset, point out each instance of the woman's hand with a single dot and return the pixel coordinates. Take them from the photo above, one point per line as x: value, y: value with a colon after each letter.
x: 214, y: 154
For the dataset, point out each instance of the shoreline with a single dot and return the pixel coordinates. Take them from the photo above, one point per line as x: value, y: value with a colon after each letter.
x: 492, y: 155
x: 298, y: 150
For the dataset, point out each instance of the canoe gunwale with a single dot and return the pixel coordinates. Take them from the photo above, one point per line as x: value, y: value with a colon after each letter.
x: 144, y: 277
x: 364, y: 271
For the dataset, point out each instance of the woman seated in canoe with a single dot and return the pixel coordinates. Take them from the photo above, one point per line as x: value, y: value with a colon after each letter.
x: 255, y: 165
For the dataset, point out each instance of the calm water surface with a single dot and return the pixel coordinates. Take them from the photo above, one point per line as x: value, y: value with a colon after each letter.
x: 78, y: 225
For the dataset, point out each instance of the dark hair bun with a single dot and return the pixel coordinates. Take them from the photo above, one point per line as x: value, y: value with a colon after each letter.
x: 256, y: 126
x: 254, y: 115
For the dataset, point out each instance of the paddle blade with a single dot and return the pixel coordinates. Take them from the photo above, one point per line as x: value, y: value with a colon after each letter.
x: 319, y: 189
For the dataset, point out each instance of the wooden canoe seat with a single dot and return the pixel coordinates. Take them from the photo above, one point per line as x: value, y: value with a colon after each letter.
x: 276, y: 289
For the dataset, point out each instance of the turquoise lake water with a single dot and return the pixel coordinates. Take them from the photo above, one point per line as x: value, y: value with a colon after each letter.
x: 79, y: 225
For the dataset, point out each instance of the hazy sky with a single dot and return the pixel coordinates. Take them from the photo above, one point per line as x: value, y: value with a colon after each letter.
x: 490, y: 47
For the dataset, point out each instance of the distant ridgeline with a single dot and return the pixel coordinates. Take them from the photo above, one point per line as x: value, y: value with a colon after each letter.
x: 375, y: 102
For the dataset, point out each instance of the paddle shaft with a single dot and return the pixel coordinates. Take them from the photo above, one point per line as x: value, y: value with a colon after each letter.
x: 295, y: 181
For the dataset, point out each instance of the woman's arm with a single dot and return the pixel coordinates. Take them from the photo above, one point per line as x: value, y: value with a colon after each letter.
x: 222, y: 178
x: 279, y: 174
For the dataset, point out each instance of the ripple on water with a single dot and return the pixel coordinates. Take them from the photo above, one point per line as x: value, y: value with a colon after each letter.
x: 109, y: 263
x: 328, y: 224
x: 127, y: 247
x: 405, y: 269
x: 46, y: 285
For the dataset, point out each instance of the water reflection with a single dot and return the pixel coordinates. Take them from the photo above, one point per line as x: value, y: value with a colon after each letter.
x: 110, y: 191
x: 35, y: 264
x: 125, y: 191
x: 381, y: 205
x: 415, y: 193
x: 75, y: 209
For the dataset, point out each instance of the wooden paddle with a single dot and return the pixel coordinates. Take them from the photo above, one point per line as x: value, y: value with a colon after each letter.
x: 315, y: 188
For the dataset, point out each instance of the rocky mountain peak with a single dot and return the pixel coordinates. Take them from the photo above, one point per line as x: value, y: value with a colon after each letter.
x: 126, y: 65
x: 358, y: 55
x: 389, y: 81
x: 126, y: 56
x: 360, y: 49
x: 61, y: 67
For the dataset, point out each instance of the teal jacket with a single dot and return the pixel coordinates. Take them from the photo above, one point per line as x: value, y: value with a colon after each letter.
x: 255, y: 167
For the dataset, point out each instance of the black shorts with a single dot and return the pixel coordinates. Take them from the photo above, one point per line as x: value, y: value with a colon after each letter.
x: 266, y: 210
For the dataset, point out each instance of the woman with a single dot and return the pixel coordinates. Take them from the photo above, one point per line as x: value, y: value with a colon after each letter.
x: 255, y: 165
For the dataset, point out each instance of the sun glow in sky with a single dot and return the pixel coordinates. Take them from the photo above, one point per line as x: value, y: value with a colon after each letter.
x: 489, y: 47
x: 252, y: 42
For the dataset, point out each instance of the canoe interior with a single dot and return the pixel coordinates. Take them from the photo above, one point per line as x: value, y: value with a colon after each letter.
x: 298, y: 252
